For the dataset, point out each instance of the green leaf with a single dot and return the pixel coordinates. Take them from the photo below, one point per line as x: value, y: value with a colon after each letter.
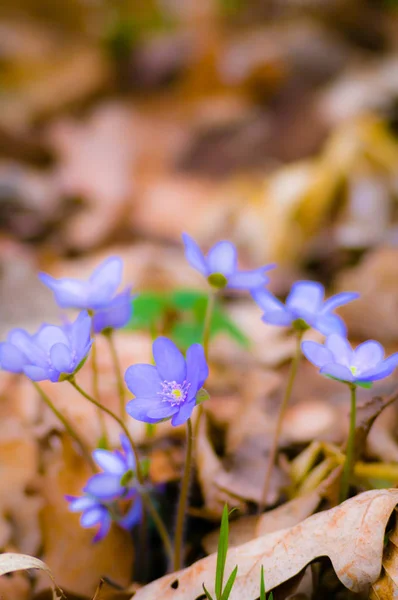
x: 222, y: 552
x: 208, y: 596
x: 187, y: 299
x: 186, y: 334
x: 148, y: 308
x: 221, y: 323
x: 229, y: 584
x: 262, y: 585
x: 365, y: 384
x: 202, y: 396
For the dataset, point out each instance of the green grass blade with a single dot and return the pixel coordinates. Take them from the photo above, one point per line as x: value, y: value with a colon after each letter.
x: 208, y: 596
x: 222, y: 552
x: 262, y: 585
x: 229, y: 584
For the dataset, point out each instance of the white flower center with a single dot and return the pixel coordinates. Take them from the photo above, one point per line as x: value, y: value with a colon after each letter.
x: 174, y: 393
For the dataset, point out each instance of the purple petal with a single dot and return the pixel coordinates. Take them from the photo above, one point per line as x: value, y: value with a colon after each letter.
x: 164, y: 411
x: 249, y: 280
x: 83, y: 503
x: 116, y: 315
x: 305, y: 297
x: 109, y: 461
x: 169, y: 360
x: 368, y: 355
x: 337, y: 371
x: 197, y: 369
x: 133, y: 516
x: 143, y: 380
x: 48, y: 335
x: 61, y: 358
x: 128, y: 451
x: 194, y: 255
x: 316, y: 353
x: 139, y: 407
x: 105, y: 525
x: 183, y: 414
x: 80, y: 332
x: 277, y: 317
x: 339, y: 300
x: 328, y: 324
x: 36, y: 373
x: 104, y: 282
x: 384, y: 369
x: 104, y: 486
x: 26, y: 344
x: 340, y: 348
x: 266, y: 300
x: 92, y: 516
x: 69, y: 293
x: 222, y: 258
x: 11, y: 358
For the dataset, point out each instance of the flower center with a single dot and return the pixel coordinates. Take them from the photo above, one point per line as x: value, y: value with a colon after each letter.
x: 173, y: 392
x: 354, y: 370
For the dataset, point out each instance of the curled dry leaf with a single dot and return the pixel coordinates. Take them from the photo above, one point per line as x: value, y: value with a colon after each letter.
x: 351, y: 535
x: 387, y: 584
x: 10, y: 562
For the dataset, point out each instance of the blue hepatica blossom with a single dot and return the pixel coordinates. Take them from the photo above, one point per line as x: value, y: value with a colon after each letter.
x: 169, y: 389
x: 116, y: 314
x: 304, y: 306
x: 337, y: 359
x: 94, y: 512
x: 100, y: 503
x: 53, y: 353
x: 220, y: 266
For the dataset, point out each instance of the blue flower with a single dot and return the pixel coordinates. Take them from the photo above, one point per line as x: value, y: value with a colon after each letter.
x: 94, y: 294
x: 337, y: 359
x: 94, y: 512
x: 118, y: 477
x: 116, y: 314
x: 103, y: 493
x: 220, y: 266
x: 51, y: 353
x: 169, y: 389
x: 305, y: 304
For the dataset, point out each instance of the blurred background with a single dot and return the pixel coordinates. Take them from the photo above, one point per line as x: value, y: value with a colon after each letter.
x: 123, y: 123
x: 272, y: 123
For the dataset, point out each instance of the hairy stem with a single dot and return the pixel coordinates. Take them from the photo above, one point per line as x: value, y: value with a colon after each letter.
x: 151, y: 508
x: 68, y: 426
x: 182, y: 503
x: 282, y: 410
x: 348, y: 464
x: 118, y: 373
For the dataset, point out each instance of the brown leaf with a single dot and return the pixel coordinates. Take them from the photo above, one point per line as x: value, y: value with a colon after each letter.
x: 351, y: 535
x: 366, y: 416
x: 387, y: 584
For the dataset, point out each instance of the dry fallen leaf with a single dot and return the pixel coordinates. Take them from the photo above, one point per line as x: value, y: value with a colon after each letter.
x: 351, y: 535
x: 387, y: 584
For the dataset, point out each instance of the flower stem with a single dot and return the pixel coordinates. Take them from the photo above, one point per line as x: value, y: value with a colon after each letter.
x: 182, y: 503
x: 118, y: 372
x: 151, y: 508
x: 101, y: 417
x: 348, y: 464
x: 282, y: 410
x: 211, y: 300
x: 68, y: 426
